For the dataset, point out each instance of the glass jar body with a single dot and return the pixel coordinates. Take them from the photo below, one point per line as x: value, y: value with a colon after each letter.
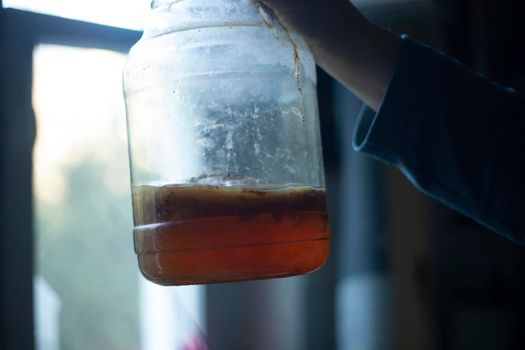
x: 225, y: 147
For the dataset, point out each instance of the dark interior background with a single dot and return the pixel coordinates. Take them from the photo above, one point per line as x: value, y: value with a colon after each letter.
x: 457, y: 285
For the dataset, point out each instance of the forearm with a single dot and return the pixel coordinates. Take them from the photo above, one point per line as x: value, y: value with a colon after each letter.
x: 362, y: 60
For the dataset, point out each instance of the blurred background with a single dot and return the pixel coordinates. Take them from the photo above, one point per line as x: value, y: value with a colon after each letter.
x: 404, y: 272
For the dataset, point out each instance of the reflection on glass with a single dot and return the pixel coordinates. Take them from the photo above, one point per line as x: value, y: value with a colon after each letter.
x: 129, y: 14
x: 88, y: 291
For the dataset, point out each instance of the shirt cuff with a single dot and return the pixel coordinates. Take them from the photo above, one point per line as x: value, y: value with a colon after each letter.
x: 385, y: 134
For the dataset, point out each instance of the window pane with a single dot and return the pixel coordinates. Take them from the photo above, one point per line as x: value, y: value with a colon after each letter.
x: 129, y: 14
x: 89, y: 293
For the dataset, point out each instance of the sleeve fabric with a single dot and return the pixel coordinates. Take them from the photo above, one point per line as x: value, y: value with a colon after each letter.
x: 457, y: 136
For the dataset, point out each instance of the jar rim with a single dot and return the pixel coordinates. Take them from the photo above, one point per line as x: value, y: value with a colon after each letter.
x: 157, y: 3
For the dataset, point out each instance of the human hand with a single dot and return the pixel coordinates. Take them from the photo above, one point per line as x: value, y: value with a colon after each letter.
x: 317, y: 21
x: 359, y: 54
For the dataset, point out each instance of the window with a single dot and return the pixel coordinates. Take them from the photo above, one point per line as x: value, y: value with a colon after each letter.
x: 82, y: 204
x: 88, y: 290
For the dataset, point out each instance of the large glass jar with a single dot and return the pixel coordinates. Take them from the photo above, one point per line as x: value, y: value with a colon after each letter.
x: 225, y: 146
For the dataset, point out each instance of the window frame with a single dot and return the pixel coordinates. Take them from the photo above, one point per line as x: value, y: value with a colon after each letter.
x: 20, y: 32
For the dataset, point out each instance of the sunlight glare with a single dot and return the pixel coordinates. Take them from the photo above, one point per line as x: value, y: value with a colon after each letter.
x: 78, y: 90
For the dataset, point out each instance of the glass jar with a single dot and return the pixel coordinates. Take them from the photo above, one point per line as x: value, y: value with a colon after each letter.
x: 225, y: 146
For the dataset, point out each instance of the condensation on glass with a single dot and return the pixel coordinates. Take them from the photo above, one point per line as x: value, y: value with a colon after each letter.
x: 225, y: 147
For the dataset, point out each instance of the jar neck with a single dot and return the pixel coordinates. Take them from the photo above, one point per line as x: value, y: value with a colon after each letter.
x: 168, y: 16
x: 155, y: 4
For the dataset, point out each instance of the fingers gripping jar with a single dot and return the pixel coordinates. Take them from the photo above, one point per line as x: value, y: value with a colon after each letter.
x: 225, y: 147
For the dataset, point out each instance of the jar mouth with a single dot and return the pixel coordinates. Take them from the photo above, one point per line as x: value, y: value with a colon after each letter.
x: 158, y: 3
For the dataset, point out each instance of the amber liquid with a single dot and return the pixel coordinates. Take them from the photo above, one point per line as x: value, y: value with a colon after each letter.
x: 208, y: 234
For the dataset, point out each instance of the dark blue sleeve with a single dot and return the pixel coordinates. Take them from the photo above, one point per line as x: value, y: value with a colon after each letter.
x: 457, y: 136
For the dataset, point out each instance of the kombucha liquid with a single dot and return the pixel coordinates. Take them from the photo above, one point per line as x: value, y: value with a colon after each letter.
x: 195, y: 234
